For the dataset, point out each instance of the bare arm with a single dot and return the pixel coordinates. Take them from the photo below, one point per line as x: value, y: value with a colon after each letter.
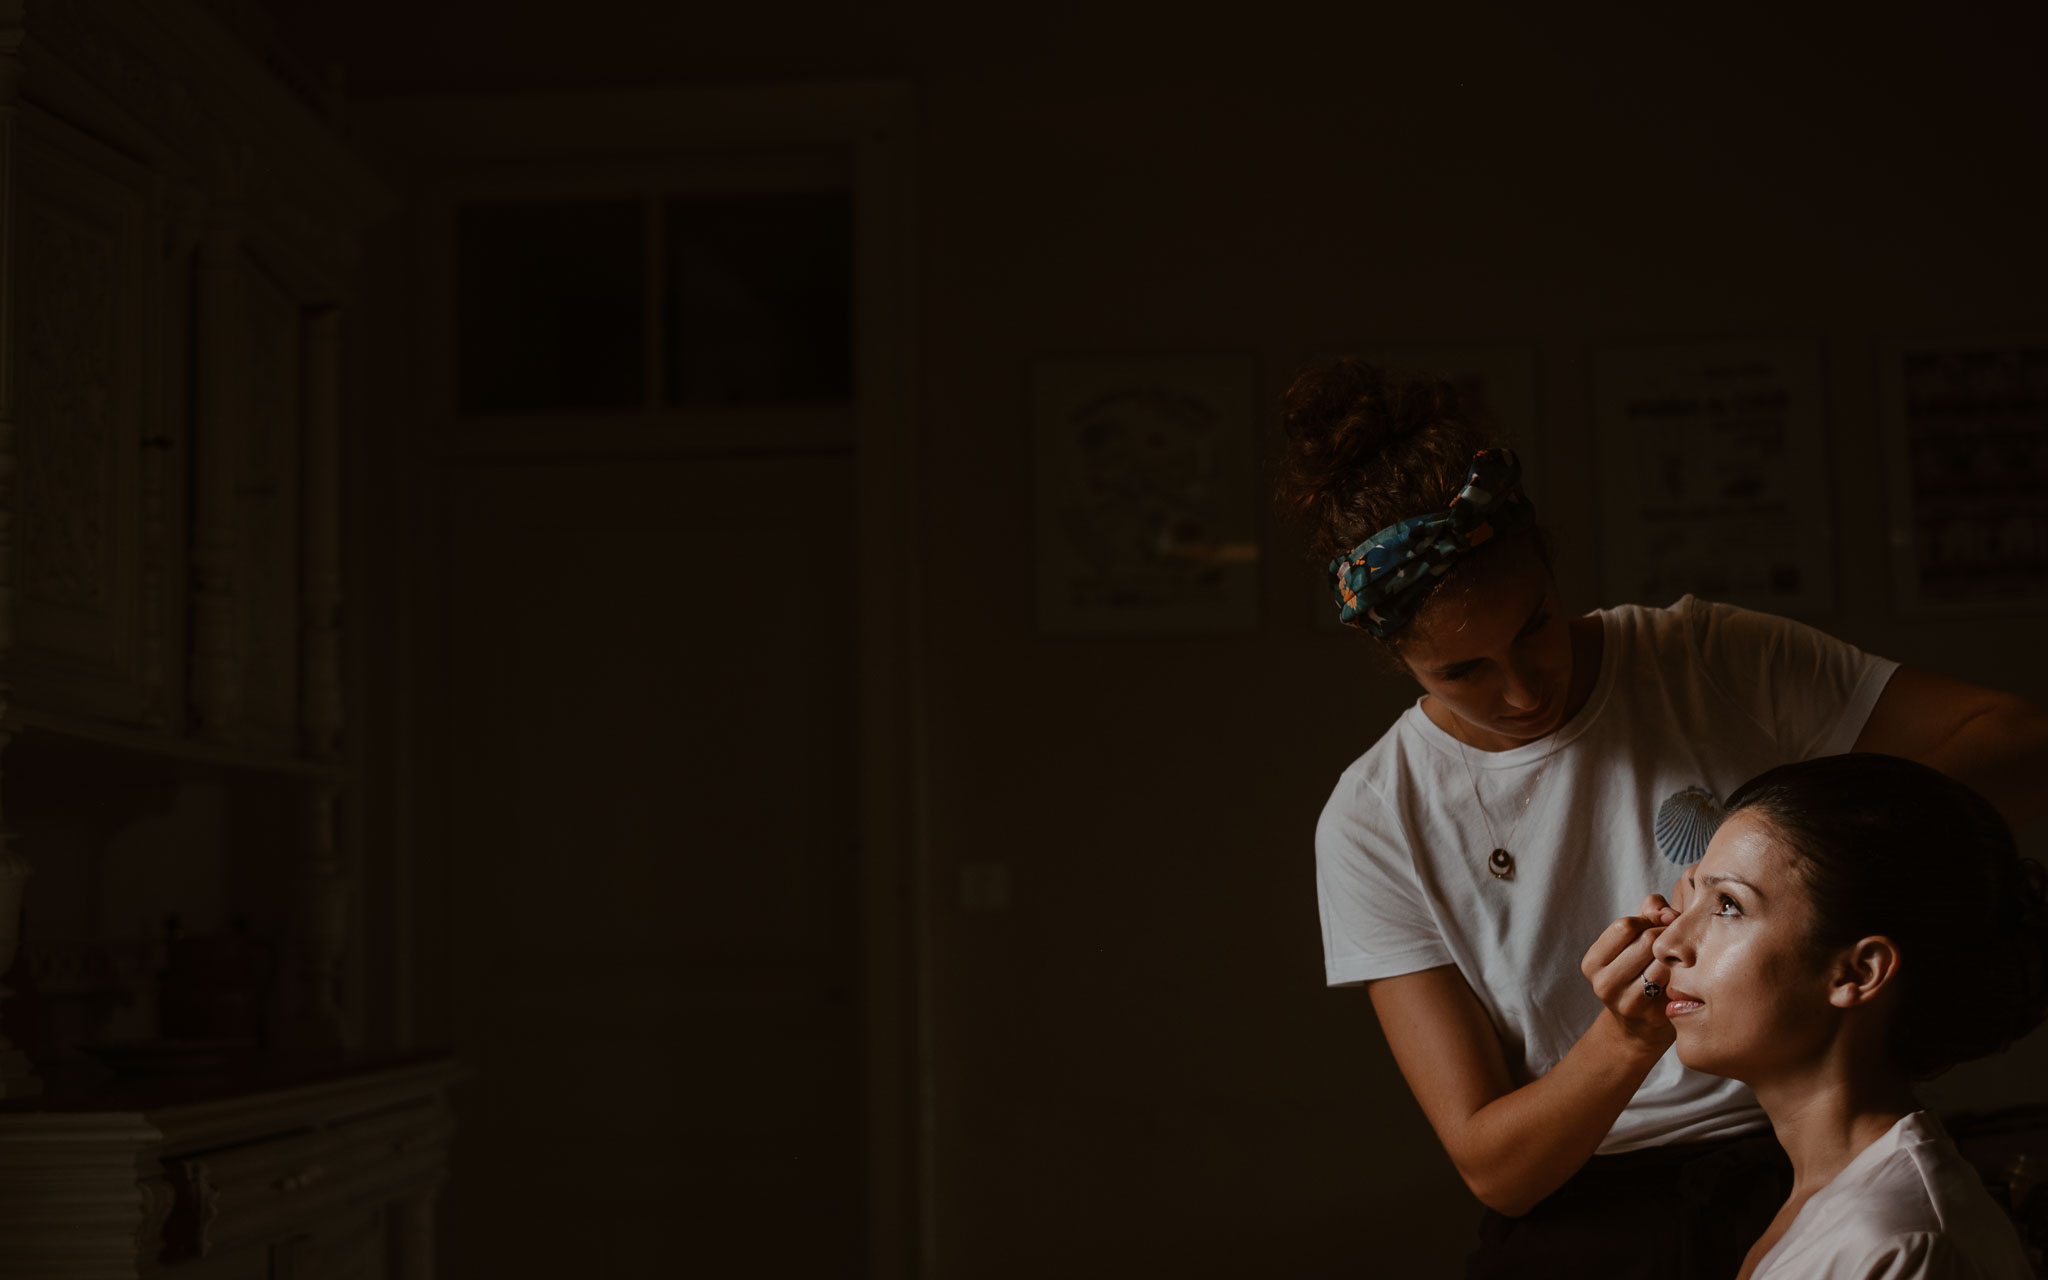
x: 1513, y: 1146
x: 1996, y: 742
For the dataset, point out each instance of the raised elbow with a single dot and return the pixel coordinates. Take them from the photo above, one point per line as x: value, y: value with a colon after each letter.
x: 1509, y: 1205
x: 1505, y: 1196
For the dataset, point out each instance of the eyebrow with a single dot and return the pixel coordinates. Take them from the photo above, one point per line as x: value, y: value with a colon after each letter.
x: 1726, y: 879
x: 1528, y: 625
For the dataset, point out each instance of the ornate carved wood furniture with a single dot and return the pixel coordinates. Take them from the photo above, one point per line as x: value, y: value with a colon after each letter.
x: 181, y: 228
x: 326, y: 1169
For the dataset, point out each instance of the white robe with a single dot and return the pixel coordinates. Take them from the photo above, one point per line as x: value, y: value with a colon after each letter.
x: 1908, y: 1207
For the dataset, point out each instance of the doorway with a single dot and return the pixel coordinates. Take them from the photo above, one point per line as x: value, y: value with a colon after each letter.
x: 660, y: 849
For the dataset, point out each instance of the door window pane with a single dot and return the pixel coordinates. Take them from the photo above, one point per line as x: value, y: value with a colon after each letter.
x: 551, y: 308
x: 758, y: 298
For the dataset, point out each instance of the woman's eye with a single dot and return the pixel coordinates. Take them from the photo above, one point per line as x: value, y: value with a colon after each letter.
x: 1727, y: 907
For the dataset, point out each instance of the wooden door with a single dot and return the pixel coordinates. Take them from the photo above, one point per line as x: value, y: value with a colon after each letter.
x: 654, y: 875
x: 651, y: 799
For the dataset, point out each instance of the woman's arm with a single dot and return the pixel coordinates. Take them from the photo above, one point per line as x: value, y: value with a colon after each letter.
x: 1514, y: 1146
x: 1996, y: 742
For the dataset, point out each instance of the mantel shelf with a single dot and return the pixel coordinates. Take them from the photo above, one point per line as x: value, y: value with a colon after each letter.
x: 212, y: 1101
x: 19, y: 721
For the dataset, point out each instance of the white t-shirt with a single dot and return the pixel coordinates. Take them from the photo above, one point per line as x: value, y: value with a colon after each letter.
x: 1695, y: 697
x: 1908, y: 1207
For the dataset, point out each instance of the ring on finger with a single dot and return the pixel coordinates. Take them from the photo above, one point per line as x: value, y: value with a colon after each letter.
x: 1651, y: 989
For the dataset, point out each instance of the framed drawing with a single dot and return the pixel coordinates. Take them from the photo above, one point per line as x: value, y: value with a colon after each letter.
x: 1146, y: 502
x: 1713, y: 476
x: 1966, y: 444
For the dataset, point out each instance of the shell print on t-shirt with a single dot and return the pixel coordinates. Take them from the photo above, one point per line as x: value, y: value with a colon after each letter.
x: 1685, y: 823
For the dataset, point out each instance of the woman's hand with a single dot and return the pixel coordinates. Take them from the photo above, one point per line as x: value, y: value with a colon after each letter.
x: 1616, y: 964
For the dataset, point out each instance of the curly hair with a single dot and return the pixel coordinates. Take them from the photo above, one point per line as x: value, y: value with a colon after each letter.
x: 1366, y: 448
x: 1891, y: 847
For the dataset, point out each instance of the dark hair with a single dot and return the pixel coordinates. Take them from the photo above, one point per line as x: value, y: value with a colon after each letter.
x: 1892, y: 847
x: 1366, y: 448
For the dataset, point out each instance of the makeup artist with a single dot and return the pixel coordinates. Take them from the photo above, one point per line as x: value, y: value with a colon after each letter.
x: 1557, y: 774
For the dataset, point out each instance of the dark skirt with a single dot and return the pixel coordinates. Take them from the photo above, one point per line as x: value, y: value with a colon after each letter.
x: 1688, y: 1211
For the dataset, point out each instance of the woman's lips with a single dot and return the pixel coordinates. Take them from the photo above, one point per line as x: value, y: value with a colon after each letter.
x: 1677, y: 1003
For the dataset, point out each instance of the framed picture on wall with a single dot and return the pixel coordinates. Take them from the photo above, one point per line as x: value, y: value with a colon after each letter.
x: 1501, y: 381
x: 1713, y: 475
x: 1146, y: 493
x: 1966, y: 443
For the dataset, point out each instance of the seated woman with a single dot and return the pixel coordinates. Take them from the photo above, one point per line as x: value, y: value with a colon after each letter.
x: 1859, y: 922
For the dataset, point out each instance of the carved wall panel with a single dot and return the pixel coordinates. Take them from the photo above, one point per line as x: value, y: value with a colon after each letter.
x: 267, y: 512
x: 88, y: 330
x: 117, y: 59
x: 178, y: 236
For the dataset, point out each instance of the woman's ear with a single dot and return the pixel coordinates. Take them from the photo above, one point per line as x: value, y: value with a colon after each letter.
x: 1863, y: 969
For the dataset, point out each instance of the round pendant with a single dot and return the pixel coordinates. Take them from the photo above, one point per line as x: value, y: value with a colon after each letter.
x: 1502, y: 864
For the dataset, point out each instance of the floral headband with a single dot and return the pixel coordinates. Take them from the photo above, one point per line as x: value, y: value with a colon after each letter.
x: 1384, y: 580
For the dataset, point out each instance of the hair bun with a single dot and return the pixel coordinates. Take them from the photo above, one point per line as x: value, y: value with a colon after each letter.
x: 1340, y: 415
x: 1366, y: 448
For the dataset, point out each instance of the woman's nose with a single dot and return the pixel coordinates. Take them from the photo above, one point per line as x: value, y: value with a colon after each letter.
x: 1520, y: 690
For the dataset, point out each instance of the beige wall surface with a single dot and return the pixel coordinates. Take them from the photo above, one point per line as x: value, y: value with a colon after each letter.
x: 1134, y: 1066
